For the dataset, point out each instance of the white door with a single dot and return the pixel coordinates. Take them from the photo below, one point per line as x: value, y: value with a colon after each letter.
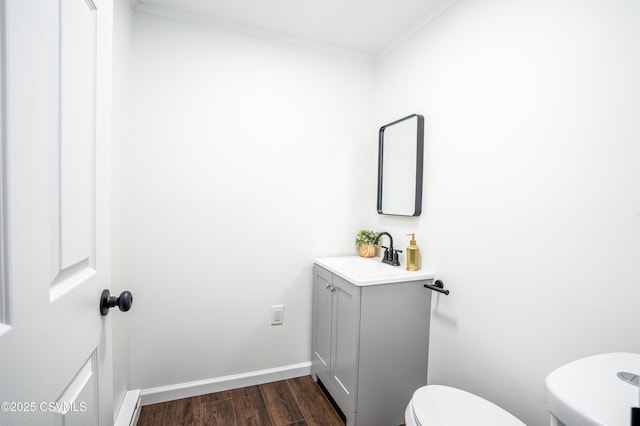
x: 54, y: 240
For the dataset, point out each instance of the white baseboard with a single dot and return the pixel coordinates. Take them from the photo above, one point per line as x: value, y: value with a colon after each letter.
x: 217, y: 384
x: 129, y: 410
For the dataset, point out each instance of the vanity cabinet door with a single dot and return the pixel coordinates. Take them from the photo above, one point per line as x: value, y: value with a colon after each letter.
x: 345, y: 342
x: 321, y: 330
x: 335, y: 338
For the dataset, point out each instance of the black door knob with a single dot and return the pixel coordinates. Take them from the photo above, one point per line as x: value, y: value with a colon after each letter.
x: 107, y: 301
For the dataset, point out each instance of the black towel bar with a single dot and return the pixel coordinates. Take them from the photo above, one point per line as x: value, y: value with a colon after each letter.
x: 437, y: 286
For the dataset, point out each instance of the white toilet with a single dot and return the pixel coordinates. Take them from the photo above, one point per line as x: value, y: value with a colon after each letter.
x: 436, y: 405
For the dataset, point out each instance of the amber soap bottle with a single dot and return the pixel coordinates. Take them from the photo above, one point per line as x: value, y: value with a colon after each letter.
x: 413, y: 254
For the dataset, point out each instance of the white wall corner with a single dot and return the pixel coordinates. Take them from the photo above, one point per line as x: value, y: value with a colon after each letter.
x: 134, y: 4
x: 129, y: 410
x: 218, y: 384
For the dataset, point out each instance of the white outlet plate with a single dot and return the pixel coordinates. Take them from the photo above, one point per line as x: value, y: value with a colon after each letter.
x: 277, y: 314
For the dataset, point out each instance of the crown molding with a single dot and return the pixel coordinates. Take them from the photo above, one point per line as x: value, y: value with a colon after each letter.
x: 433, y: 14
x: 140, y: 6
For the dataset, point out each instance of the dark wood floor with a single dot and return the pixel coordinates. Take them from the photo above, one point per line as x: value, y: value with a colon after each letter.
x: 293, y: 402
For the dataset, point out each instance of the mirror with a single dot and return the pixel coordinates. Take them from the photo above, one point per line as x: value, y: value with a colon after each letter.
x: 400, y: 152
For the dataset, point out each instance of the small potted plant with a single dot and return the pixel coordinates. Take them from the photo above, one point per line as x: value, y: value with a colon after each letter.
x: 365, y: 242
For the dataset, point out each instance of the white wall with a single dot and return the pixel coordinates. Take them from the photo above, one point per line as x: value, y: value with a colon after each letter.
x: 244, y: 163
x: 122, y: 55
x: 531, y: 211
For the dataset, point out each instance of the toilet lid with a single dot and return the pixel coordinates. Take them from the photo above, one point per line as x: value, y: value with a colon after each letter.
x: 436, y: 405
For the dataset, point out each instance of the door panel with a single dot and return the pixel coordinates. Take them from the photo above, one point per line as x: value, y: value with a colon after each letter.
x: 70, y: 408
x: 322, y: 324
x: 76, y: 145
x: 344, y: 368
x: 77, y: 129
x: 54, y: 346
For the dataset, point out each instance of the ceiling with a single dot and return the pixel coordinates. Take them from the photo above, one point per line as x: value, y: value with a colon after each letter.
x: 366, y: 27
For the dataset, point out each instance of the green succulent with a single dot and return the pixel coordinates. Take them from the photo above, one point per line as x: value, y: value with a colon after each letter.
x: 366, y: 236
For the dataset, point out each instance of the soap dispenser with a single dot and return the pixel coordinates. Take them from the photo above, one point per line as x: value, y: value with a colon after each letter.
x: 413, y: 253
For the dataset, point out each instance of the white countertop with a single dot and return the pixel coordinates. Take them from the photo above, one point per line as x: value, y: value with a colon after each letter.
x: 369, y: 271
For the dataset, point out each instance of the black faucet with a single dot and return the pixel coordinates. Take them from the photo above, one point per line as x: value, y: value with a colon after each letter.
x: 390, y: 254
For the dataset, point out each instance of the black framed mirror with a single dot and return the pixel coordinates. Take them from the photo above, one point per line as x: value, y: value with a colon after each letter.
x: 400, y: 157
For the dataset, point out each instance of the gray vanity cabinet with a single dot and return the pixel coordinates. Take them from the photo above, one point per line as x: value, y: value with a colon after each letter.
x: 370, y: 345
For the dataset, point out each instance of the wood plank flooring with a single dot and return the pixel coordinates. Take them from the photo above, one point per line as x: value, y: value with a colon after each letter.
x: 293, y: 402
